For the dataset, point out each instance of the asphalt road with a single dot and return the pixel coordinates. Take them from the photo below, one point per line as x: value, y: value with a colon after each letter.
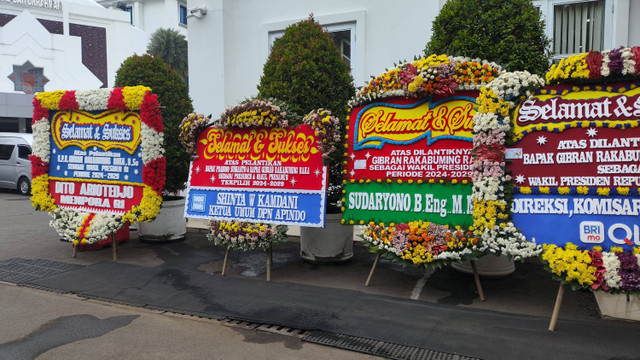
x: 433, y: 310
x: 37, y: 324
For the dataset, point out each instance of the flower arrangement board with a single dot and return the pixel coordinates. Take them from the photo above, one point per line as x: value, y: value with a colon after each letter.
x: 98, y: 161
x: 410, y: 164
x: 576, y: 166
x: 555, y: 168
x: 410, y: 159
x: 259, y: 174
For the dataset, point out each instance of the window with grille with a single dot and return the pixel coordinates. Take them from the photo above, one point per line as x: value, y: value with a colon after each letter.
x: 578, y: 27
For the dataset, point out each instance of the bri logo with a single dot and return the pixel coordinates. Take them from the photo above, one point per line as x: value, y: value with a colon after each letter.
x: 593, y: 232
x: 197, y: 202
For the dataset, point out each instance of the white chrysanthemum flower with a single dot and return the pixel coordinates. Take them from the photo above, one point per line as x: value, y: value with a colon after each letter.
x: 93, y: 100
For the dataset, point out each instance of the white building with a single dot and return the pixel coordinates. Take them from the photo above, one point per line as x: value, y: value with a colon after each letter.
x: 577, y: 26
x: 149, y: 15
x: 48, y: 45
x: 229, y: 44
x: 79, y: 44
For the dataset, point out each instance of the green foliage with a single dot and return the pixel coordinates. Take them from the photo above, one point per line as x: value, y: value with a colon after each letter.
x: 175, y: 104
x: 510, y: 33
x: 306, y: 71
x: 170, y: 46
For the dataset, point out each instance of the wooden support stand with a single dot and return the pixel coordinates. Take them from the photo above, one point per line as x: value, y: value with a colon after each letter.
x: 556, y: 308
x: 114, y: 247
x: 224, y: 263
x: 269, y: 261
x: 477, y: 278
x: 75, y: 250
x: 373, y: 268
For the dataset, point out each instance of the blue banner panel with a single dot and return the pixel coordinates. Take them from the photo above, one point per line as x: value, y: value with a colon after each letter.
x: 586, y: 221
x: 282, y: 208
x: 95, y: 163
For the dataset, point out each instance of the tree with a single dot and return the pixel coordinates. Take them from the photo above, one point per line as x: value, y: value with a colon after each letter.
x: 306, y: 71
x: 175, y: 104
x: 510, y: 33
x: 170, y: 46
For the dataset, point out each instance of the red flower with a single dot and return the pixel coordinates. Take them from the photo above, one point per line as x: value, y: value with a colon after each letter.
x: 491, y: 153
x: 150, y: 112
x: 407, y: 76
x: 594, y: 64
x: 154, y: 172
x: 116, y: 100
x: 38, y: 167
x: 596, y: 260
x: 635, y: 51
x: 38, y: 111
x: 68, y: 101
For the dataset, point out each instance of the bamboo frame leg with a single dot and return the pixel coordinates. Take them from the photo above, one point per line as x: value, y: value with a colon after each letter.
x: 556, y: 308
x: 75, y: 250
x: 628, y: 298
x: 373, y: 268
x: 224, y: 263
x: 269, y: 254
x: 477, y: 278
x: 114, y: 247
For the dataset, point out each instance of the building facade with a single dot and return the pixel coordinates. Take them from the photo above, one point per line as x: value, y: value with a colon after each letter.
x: 229, y: 45
x: 576, y: 26
x: 150, y: 15
x: 48, y: 45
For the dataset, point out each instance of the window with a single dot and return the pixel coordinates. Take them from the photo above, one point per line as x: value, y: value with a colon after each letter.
x: 343, y: 35
x: 24, y: 152
x: 6, y: 151
x: 578, y: 27
x: 129, y: 9
x: 342, y: 39
x: 183, y: 14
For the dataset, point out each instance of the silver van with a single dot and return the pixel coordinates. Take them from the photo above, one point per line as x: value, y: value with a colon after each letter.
x: 15, y: 166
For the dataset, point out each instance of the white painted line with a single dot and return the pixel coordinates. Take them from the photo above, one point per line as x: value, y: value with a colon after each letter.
x: 417, y: 289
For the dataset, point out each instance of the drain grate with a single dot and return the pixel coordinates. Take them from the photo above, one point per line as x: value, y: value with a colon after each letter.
x: 21, y: 271
x: 276, y: 329
x: 379, y: 348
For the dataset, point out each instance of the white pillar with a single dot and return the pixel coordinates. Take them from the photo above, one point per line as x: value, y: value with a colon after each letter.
x: 620, y: 23
x: 206, y: 58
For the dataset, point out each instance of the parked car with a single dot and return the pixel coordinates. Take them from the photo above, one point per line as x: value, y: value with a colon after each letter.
x: 15, y: 166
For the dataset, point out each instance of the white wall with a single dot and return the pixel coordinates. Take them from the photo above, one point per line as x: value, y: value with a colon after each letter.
x: 229, y: 45
x: 634, y: 24
x: 24, y: 38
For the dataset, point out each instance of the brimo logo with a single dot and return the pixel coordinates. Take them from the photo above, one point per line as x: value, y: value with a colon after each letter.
x: 592, y: 232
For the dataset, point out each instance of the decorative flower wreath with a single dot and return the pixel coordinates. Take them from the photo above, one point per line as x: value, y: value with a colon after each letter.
x: 327, y: 129
x: 614, y: 270
x: 419, y: 243
x: 190, y: 127
x: 491, y: 124
x: 254, y: 113
x: 86, y: 227
x: 258, y: 112
x: 616, y: 64
x: 265, y: 113
x: 238, y: 235
x: 424, y: 77
x: 422, y: 243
